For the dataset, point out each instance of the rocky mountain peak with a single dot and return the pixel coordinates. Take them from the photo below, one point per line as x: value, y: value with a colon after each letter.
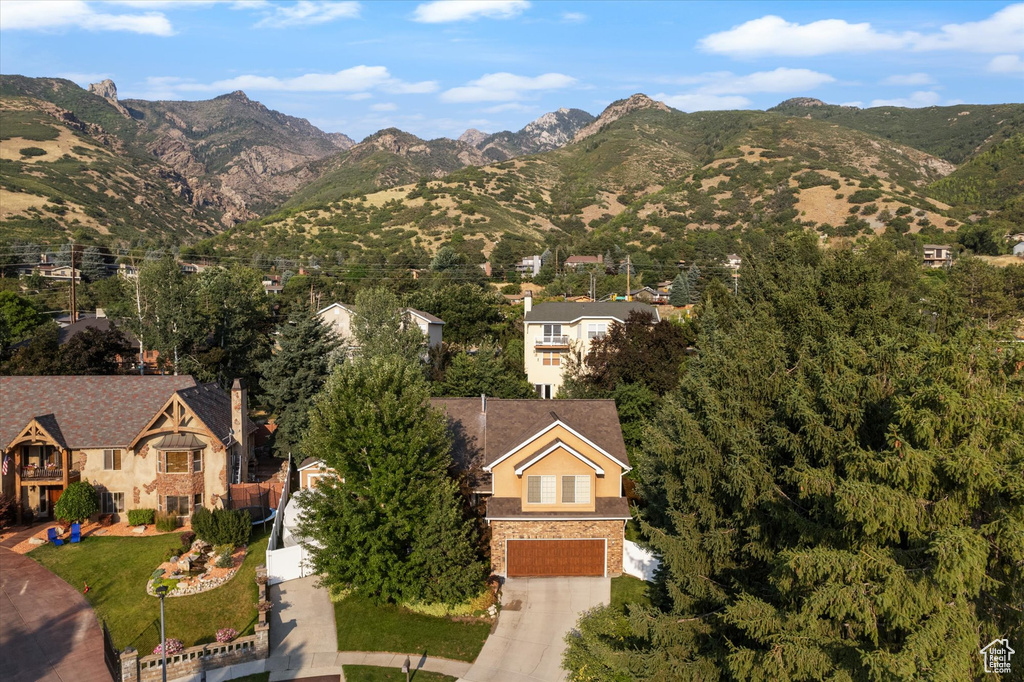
x: 617, y: 110
x: 801, y: 102
x: 238, y: 96
x: 472, y: 137
x: 108, y: 91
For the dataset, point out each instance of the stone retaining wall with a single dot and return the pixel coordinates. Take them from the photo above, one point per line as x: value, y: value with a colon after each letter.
x: 196, y: 659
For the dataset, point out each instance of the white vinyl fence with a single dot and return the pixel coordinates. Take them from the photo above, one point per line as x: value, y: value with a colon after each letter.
x: 284, y: 563
x: 638, y: 562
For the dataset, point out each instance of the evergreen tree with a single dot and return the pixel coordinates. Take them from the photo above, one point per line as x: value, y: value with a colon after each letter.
x: 92, y: 264
x: 393, y: 529
x: 835, y: 489
x: 679, y: 292
x: 236, y: 314
x: 693, y: 283
x: 293, y: 375
x: 382, y: 327
x: 485, y: 372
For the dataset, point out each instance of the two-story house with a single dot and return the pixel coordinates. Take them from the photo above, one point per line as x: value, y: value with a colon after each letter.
x: 145, y: 442
x: 339, y: 316
x: 551, y: 475
x: 553, y: 329
x: 937, y: 255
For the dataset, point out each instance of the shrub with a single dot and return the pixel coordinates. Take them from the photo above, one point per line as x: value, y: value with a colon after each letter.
x: 225, y: 635
x: 903, y: 210
x: 222, y: 550
x: 77, y: 502
x: 166, y: 522
x: 141, y: 517
x: 863, y: 196
x: 174, y: 646
x: 222, y: 526
x: 172, y: 553
x: 186, y: 539
x: 32, y: 151
x: 224, y: 561
x: 7, y: 510
x: 202, y: 524
x: 869, y: 209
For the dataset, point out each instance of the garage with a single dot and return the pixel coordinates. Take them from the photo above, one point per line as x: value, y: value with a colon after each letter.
x: 537, y: 558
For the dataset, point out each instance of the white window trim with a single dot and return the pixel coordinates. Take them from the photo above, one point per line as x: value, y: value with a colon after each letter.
x: 557, y: 422
x: 575, y: 488
x: 554, y: 488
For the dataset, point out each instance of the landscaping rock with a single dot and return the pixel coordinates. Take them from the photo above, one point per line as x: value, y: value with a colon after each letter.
x: 36, y: 541
x: 139, y: 530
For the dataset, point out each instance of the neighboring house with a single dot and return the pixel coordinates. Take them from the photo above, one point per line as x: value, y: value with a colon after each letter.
x: 551, y: 476
x: 61, y: 273
x: 649, y: 295
x: 339, y: 316
x: 733, y: 261
x: 937, y: 255
x: 101, y: 322
x: 311, y: 470
x: 126, y: 271
x: 575, y: 262
x: 272, y: 284
x: 553, y: 329
x: 191, y: 268
x: 1018, y: 250
x: 529, y: 266
x: 153, y: 442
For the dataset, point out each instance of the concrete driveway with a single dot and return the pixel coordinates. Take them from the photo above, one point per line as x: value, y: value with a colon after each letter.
x: 536, y: 613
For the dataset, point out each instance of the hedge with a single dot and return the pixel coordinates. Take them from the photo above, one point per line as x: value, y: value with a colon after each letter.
x: 141, y: 517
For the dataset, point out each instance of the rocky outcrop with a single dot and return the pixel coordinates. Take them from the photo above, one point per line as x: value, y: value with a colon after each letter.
x: 108, y: 91
x: 472, y: 137
x: 802, y: 102
x: 551, y: 131
x: 617, y: 110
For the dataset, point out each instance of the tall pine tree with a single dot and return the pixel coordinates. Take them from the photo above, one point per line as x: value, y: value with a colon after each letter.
x: 679, y: 292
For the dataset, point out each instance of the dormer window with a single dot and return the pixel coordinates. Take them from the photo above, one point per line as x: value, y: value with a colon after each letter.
x: 540, y: 489
x: 575, y: 489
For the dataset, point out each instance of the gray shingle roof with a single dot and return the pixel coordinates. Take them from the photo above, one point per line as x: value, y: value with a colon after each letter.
x: 103, y: 411
x: 560, y: 311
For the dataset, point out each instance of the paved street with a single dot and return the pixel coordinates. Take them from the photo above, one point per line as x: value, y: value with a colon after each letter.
x: 536, y: 614
x: 48, y: 631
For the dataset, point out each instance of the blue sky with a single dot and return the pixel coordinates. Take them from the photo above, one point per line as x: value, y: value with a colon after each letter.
x: 437, y: 68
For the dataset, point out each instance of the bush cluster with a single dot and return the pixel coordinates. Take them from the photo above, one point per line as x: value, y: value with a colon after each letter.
x: 141, y: 517
x: 166, y: 522
x: 186, y: 540
x: 225, y: 635
x: 222, y: 526
x: 174, y: 646
x: 77, y: 503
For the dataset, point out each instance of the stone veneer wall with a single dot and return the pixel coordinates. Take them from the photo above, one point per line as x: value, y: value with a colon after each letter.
x: 613, y: 530
x: 194, y: 660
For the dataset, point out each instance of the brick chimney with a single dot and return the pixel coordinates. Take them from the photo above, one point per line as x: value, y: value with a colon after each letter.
x: 239, y: 410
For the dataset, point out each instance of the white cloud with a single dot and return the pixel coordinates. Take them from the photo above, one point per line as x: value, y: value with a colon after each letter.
x: 696, y: 101
x: 909, y: 79
x: 509, y: 106
x: 773, y: 35
x: 779, y: 80
x: 358, y: 79
x: 384, y: 106
x: 574, y: 17
x: 1006, y: 63
x: 307, y: 13
x: 505, y: 87
x: 445, y: 11
x: 27, y: 15
x: 921, y: 98
x: 856, y: 103
x: 359, y: 96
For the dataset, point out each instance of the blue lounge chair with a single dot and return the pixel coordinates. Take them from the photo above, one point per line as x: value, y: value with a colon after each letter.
x: 76, y: 532
x: 51, y: 534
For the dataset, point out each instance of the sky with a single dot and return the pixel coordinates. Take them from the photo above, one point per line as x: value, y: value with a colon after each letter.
x: 437, y: 68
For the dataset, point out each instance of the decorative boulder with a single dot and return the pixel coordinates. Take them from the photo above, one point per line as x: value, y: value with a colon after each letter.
x: 184, y: 564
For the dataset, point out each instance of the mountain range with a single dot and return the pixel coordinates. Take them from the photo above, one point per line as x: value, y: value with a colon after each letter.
x: 85, y: 163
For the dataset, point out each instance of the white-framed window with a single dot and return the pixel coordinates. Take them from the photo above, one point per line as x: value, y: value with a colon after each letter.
x: 111, y: 503
x: 549, y: 359
x: 540, y: 489
x: 575, y: 489
x: 597, y: 330
x: 544, y: 391
x: 177, y: 505
x: 552, y: 330
x: 197, y: 460
x: 112, y: 460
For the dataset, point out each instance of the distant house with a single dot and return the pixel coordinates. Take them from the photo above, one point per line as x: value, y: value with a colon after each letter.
x: 551, y: 330
x: 486, y: 267
x: 339, y: 316
x: 126, y: 271
x: 60, y: 273
x: 574, y: 262
x: 649, y: 295
x: 272, y: 284
x: 191, y: 268
x: 1018, y: 250
x: 100, y: 322
x: 312, y: 470
x: 733, y: 261
x: 529, y: 266
x: 937, y: 255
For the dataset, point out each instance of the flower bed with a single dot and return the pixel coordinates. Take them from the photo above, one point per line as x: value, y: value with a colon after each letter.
x: 194, y: 571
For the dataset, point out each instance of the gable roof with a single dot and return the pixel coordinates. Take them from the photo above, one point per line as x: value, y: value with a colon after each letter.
x: 103, y: 411
x: 550, y: 447
x: 561, y: 311
x: 350, y: 309
x: 490, y: 435
x: 432, y: 319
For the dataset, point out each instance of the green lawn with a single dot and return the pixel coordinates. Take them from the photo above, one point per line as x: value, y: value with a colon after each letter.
x: 371, y: 673
x: 629, y: 590
x: 365, y: 626
x: 117, y: 569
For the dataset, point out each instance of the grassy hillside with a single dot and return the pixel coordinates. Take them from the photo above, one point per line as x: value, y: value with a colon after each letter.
x: 953, y: 133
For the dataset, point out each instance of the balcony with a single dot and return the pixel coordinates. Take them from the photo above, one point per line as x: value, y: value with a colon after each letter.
x: 551, y: 342
x: 37, y: 474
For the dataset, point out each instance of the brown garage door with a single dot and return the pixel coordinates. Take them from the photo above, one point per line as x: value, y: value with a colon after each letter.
x: 555, y: 557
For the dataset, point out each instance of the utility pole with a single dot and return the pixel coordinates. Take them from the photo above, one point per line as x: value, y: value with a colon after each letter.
x: 74, y: 300
x: 627, y: 276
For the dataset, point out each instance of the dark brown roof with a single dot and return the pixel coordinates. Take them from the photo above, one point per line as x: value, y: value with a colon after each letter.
x: 512, y: 508
x: 485, y: 436
x: 103, y: 324
x: 179, y: 441
x: 98, y: 411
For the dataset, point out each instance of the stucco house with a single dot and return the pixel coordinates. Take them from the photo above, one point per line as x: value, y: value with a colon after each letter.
x: 167, y: 443
x: 339, y: 316
x: 937, y: 255
x: 551, y: 330
x: 551, y: 478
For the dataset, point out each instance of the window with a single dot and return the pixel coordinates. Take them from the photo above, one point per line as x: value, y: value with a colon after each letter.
x: 197, y: 460
x: 544, y: 391
x: 111, y: 503
x: 174, y: 462
x: 176, y: 504
x: 552, y: 330
x: 575, y: 489
x: 197, y: 500
x: 112, y: 460
x: 597, y: 330
x: 540, y: 489
x: 551, y: 359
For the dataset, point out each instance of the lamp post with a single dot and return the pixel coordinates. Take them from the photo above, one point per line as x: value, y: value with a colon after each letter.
x: 405, y: 668
x: 162, y: 592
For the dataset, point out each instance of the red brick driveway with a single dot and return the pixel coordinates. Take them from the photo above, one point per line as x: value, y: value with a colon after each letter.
x: 48, y: 631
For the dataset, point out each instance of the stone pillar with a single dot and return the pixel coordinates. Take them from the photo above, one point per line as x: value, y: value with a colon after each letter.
x: 129, y: 665
x: 262, y: 638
